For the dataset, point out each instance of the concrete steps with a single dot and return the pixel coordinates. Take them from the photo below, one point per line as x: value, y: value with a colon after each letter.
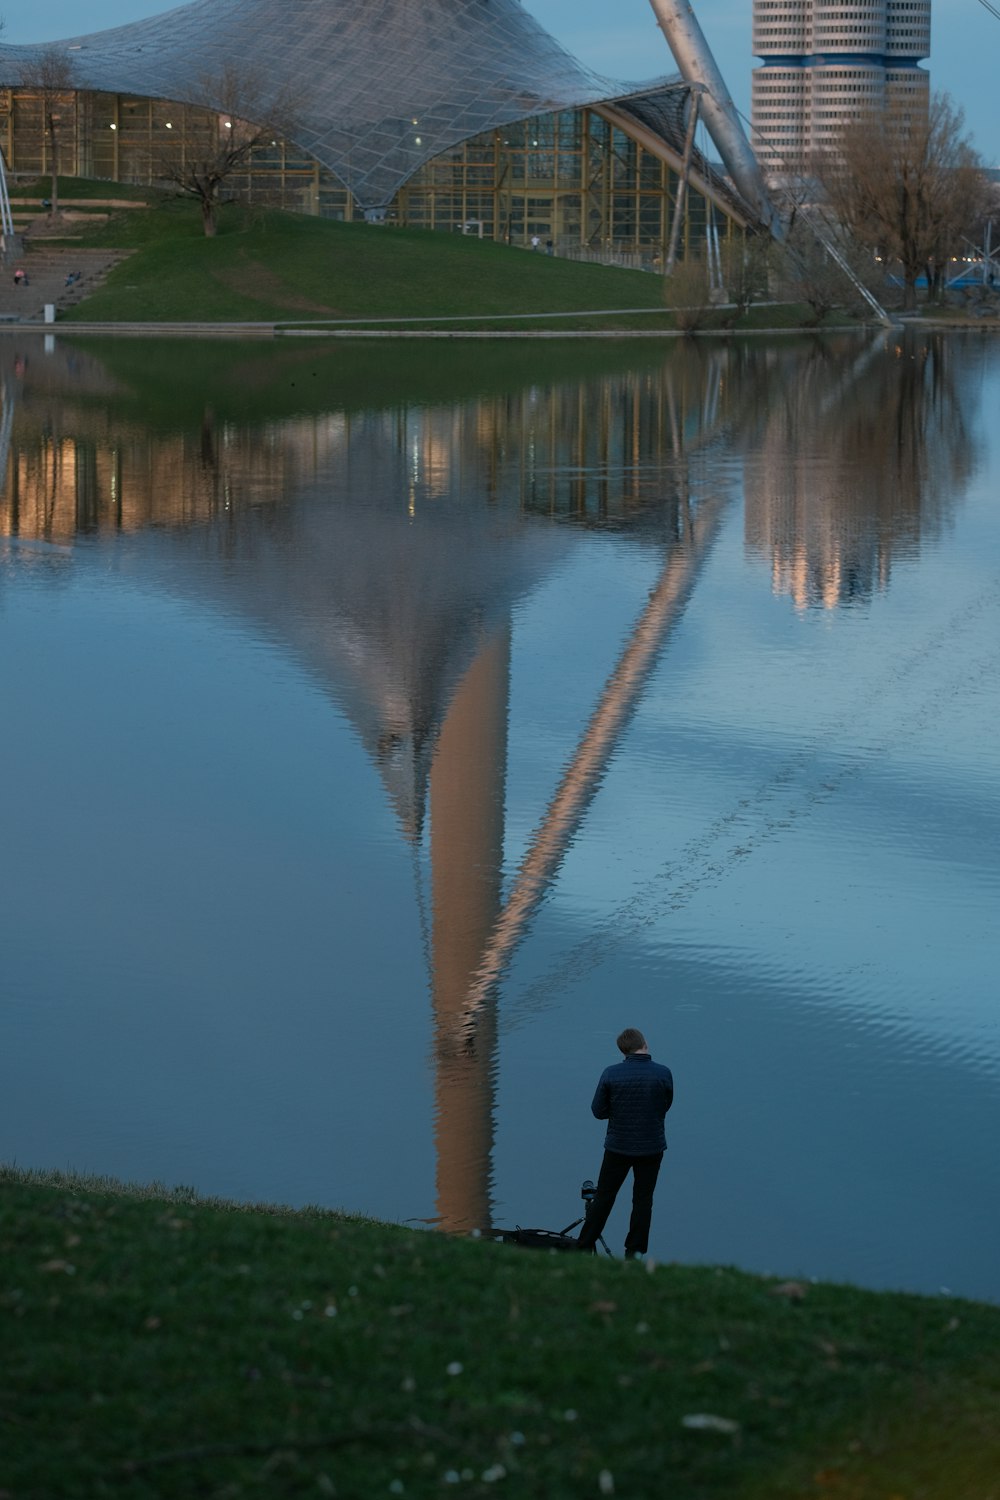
x: 59, y: 275
x: 80, y: 213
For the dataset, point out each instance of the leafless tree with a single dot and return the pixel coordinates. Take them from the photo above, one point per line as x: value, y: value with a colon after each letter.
x: 745, y: 268
x: 49, y: 74
x: 906, y: 187
x: 687, y: 292
x: 811, y: 275
x: 246, y: 115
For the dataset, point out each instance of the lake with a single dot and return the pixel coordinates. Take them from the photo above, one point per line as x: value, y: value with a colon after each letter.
x: 386, y: 725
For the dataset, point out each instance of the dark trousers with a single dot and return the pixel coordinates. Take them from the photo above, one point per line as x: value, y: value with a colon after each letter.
x: 614, y: 1169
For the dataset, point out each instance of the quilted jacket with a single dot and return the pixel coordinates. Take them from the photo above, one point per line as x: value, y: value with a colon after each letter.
x: 633, y: 1096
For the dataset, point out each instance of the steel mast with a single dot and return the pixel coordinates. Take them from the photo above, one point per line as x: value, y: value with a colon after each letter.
x: 687, y: 42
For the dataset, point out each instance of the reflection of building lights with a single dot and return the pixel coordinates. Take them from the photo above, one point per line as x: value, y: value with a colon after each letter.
x: 168, y: 126
x: 112, y: 126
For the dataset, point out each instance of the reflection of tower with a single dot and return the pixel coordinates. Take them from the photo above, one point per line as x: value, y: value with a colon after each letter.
x: 838, y: 478
x: 467, y: 815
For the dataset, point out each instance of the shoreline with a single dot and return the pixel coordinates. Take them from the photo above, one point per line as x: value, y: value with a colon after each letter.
x: 76, y: 1183
x: 282, y: 330
x: 343, y: 330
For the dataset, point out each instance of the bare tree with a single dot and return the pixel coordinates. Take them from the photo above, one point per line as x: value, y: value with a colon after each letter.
x: 246, y: 115
x: 906, y: 188
x: 745, y: 267
x: 49, y: 73
x: 811, y: 274
x: 687, y: 292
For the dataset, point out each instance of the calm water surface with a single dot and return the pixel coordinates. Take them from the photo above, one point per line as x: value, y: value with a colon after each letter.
x: 383, y: 730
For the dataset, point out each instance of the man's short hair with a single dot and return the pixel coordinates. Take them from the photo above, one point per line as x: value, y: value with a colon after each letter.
x: 631, y: 1040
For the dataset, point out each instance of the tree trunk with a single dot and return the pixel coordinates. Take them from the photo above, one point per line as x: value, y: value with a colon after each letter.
x: 208, y: 216
x: 54, y: 194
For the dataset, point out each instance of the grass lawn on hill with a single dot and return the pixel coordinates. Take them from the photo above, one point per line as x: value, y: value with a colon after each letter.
x: 273, y: 266
x: 158, y: 1345
x: 270, y: 266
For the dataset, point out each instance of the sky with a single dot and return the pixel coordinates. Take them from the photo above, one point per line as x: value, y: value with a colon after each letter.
x: 620, y: 38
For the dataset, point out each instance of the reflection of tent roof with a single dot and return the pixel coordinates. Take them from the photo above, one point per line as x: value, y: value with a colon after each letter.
x: 388, y: 613
x: 399, y: 540
x: 380, y: 86
x: 386, y: 606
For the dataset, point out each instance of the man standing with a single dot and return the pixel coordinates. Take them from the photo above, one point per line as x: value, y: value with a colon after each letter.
x: 633, y: 1096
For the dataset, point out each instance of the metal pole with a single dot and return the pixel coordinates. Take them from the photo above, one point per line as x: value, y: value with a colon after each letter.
x: 988, y: 254
x: 687, y: 42
x: 6, y: 217
x: 584, y: 772
x: 682, y: 181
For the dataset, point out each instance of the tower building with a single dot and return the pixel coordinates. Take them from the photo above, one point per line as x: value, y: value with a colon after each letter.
x: 825, y: 64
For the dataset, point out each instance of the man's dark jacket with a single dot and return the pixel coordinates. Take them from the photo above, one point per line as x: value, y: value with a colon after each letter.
x: 633, y: 1096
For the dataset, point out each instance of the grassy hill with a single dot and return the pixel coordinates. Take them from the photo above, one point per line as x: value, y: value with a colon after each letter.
x: 160, y: 1345
x: 273, y: 266
x: 270, y: 266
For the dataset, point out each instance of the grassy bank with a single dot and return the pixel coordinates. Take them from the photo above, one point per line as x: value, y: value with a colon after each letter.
x: 157, y: 1345
x: 269, y: 266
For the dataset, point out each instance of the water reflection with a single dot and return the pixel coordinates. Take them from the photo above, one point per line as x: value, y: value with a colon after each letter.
x: 854, y: 461
x: 388, y: 549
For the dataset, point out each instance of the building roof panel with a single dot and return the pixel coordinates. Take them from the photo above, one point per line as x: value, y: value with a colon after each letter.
x: 356, y: 73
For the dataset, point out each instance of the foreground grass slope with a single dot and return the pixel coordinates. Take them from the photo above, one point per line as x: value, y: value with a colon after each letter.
x: 156, y: 1345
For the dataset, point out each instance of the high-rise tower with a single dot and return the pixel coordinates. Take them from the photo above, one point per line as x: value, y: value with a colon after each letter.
x: 825, y: 64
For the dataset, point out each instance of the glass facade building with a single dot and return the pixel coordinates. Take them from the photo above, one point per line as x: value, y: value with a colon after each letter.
x: 462, y: 115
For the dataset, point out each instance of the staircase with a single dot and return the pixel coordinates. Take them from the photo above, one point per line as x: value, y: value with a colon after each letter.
x: 57, y: 274
x: 76, y: 215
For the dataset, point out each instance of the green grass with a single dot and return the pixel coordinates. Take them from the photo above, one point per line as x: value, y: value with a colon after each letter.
x: 273, y: 266
x: 270, y: 266
x: 159, y: 1345
x: 39, y: 189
